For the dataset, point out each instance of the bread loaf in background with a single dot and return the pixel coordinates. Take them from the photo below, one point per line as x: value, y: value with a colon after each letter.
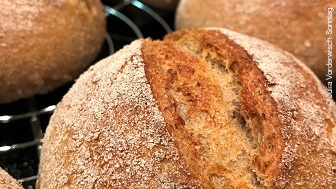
x: 7, y: 182
x: 45, y: 43
x: 206, y: 108
x: 300, y: 27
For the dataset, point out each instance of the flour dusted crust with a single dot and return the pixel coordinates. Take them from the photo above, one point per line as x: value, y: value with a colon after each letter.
x: 130, y: 148
x: 7, y: 182
x: 46, y: 43
x: 201, y: 109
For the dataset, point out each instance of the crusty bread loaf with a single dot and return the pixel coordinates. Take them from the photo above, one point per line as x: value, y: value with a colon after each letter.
x: 202, y: 109
x: 7, y: 182
x: 44, y: 44
x: 300, y: 27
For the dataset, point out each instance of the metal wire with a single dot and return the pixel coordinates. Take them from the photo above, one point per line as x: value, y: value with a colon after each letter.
x: 20, y: 146
x: 9, y: 118
x: 109, y: 43
x: 124, y: 18
x: 28, y: 179
x: 155, y: 15
x: 33, y: 115
x: 143, y: 7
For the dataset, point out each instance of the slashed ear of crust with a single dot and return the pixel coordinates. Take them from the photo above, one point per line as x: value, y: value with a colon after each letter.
x: 282, y: 105
x: 217, y: 109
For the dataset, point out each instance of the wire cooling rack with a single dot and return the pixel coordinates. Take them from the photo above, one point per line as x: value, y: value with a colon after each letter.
x: 23, y: 123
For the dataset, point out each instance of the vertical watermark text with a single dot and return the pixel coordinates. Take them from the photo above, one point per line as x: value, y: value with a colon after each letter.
x: 329, y: 64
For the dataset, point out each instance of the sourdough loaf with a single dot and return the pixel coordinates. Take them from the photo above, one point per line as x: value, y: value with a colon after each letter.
x: 206, y: 108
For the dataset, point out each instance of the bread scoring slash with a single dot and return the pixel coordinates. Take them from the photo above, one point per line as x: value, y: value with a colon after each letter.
x: 206, y: 108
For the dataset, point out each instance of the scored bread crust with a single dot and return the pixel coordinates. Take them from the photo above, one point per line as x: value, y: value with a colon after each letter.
x: 7, y: 182
x: 307, y: 120
x: 117, y: 128
x: 44, y: 44
x: 277, y: 100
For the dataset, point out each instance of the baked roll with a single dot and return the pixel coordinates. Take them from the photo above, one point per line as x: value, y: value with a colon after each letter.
x: 206, y: 108
x: 44, y: 44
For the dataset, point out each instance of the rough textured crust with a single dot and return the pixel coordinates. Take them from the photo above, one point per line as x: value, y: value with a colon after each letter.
x: 297, y: 26
x: 130, y: 148
x: 208, y: 104
x: 307, y: 123
x: 7, y: 182
x: 44, y: 44
x: 157, y: 115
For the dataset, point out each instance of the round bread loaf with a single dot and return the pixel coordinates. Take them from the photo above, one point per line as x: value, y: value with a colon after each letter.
x: 7, y: 182
x: 44, y: 44
x: 206, y: 108
x: 300, y: 27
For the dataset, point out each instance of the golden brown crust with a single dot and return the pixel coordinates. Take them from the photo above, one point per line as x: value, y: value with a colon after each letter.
x: 288, y: 143
x: 167, y: 67
x: 7, y: 182
x: 170, y: 67
x: 44, y: 44
x: 201, y: 109
x: 297, y: 26
x: 256, y: 104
